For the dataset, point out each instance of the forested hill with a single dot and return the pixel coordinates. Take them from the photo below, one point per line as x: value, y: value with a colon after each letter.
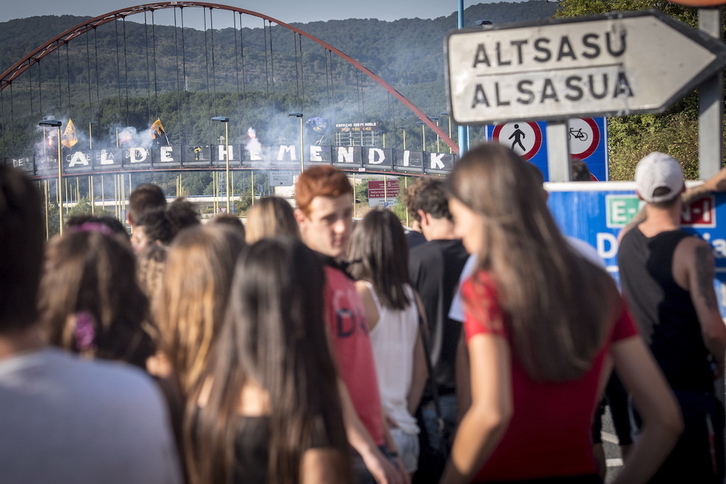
x: 406, y: 51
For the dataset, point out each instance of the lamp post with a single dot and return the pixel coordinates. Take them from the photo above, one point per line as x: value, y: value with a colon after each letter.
x: 404, y: 135
x: 299, y: 116
x: 448, y: 117
x: 423, y: 135
x: 225, y: 120
x: 57, y: 124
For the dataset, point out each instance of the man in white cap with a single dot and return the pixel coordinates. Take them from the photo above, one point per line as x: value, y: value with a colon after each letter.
x: 667, y: 278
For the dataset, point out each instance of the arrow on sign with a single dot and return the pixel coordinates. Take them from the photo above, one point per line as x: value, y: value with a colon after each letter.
x: 613, y: 65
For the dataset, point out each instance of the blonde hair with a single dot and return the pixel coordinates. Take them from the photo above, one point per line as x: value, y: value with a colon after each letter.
x: 191, y: 302
x: 270, y: 217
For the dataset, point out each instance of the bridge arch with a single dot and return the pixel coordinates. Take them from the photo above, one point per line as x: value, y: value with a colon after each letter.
x: 7, y: 77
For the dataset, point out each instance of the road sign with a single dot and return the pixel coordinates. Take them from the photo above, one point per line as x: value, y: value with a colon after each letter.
x: 583, y: 136
x: 523, y: 138
x: 597, y: 212
x: 380, y: 195
x: 587, y: 142
x: 280, y: 178
x: 618, y: 64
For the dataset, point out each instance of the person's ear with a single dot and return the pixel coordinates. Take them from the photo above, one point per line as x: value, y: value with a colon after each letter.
x: 300, y: 216
x: 424, y: 217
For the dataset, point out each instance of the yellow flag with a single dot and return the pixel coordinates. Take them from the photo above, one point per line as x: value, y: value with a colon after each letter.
x: 157, y: 129
x: 70, y: 137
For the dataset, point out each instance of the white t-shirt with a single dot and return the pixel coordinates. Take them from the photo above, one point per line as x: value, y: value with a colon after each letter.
x: 64, y: 419
x: 393, y: 340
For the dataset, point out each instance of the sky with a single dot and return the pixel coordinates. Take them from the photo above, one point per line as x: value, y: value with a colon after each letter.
x: 287, y: 11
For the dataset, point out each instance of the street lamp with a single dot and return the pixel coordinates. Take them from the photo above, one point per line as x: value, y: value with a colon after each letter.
x: 225, y: 120
x: 302, y: 146
x: 438, y: 144
x: 59, y: 192
x: 444, y: 113
x: 423, y: 135
x: 404, y: 135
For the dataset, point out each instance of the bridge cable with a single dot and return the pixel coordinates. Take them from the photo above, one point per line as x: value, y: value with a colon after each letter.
x: 153, y: 43
x: 30, y: 90
x: 126, y: 73
x: 118, y: 71
x: 302, y: 74
x: 206, y: 63
x: 214, y: 66
x: 267, y: 74
x: 297, y: 75
x: 40, y: 90
x: 148, y: 69
x: 68, y: 78
x: 88, y: 73
x: 98, y: 82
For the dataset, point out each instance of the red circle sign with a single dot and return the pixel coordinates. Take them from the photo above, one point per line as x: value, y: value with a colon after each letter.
x: 583, y: 136
x: 524, y: 138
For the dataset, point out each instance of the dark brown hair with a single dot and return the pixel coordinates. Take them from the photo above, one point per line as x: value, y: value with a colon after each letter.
x: 273, y: 334
x: 21, y: 250
x: 379, y: 254
x: 145, y: 197
x: 557, y: 304
x: 94, y: 275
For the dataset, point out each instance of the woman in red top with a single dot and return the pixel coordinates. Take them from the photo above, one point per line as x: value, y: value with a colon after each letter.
x: 543, y: 327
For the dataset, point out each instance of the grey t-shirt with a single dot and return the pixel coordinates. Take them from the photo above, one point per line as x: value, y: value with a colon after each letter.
x: 64, y: 419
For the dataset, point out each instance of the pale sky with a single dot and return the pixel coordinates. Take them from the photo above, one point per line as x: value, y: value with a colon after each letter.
x: 284, y: 10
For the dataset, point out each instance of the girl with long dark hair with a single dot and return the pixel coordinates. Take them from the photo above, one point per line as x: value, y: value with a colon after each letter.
x: 379, y: 260
x: 267, y: 407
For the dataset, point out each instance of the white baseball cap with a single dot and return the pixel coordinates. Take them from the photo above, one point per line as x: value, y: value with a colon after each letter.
x: 658, y: 170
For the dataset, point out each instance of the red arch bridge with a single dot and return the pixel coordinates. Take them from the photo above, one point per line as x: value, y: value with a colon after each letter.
x: 135, y: 97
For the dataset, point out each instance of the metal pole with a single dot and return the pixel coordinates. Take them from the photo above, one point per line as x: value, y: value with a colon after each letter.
x: 226, y: 157
x: 558, y: 152
x: 60, y: 182
x: 710, y: 104
x: 385, y: 191
x: 46, y: 189
x: 404, y: 139
x: 252, y: 185
x: 92, y: 195
x: 463, y: 131
x: 302, y: 146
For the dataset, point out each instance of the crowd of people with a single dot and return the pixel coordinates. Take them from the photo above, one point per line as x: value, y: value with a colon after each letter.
x: 305, y: 348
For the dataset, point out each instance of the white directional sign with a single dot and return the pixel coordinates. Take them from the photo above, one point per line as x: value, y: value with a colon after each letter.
x: 609, y: 65
x: 280, y: 178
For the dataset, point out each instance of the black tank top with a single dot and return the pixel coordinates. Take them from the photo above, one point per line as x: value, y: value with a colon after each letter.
x: 663, y: 310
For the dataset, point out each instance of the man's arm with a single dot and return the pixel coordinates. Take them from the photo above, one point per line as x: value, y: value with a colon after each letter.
x: 700, y: 285
x: 376, y: 463
x: 716, y: 183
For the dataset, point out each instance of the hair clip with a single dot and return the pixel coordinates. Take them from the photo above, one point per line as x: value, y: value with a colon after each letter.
x: 84, y: 332
x: 93, y: 227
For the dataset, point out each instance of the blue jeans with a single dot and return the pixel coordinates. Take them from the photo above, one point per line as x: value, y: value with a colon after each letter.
x: 448, y: 413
